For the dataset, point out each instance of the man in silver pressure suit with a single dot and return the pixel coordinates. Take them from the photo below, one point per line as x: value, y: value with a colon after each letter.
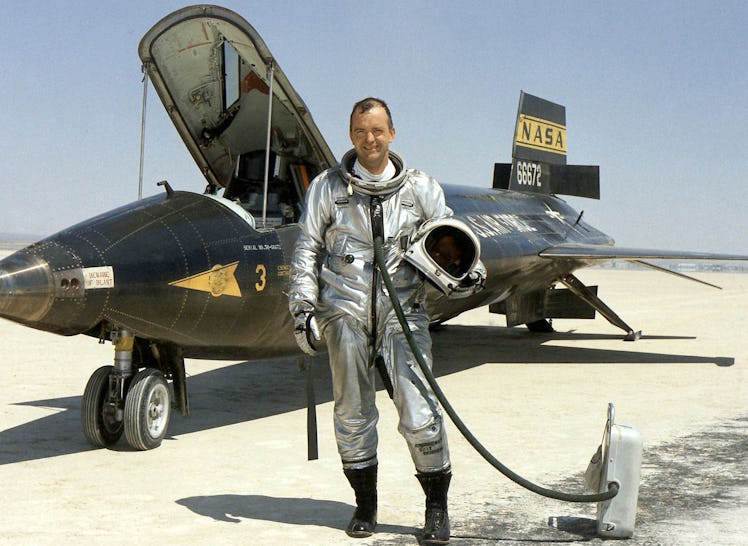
x: 336, y: 292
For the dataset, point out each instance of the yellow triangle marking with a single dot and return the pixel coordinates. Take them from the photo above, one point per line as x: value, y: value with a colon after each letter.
x: 218, y: 280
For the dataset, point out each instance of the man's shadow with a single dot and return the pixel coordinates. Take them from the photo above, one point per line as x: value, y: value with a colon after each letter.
x: 289, y: 510
x: 335, y: 515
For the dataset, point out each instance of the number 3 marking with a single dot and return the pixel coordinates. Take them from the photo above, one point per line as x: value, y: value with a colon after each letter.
x: 262, y: 272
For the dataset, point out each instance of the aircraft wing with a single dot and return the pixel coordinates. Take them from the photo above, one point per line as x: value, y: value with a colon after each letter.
x: 591, y: 254
x: 594, y: 253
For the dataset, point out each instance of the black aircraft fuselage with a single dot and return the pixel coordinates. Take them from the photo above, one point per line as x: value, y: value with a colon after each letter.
x: 186, y: 269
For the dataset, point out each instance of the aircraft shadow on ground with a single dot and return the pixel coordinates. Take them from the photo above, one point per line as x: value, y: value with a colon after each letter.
x: 251, y: 390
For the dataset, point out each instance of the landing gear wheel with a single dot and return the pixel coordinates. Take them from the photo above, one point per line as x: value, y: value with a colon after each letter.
x: 147, y: 410
x: 100, y: 426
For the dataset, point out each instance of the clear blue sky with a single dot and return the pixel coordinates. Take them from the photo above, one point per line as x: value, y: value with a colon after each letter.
x: 656, y: 93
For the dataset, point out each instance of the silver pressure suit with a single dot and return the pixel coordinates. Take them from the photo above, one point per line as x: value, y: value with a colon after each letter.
x: 336, y: 277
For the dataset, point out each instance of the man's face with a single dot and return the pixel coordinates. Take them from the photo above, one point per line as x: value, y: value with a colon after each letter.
x: 371, y: 136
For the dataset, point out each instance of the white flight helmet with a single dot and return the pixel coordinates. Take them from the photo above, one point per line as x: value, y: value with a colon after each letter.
x: 445, y: 251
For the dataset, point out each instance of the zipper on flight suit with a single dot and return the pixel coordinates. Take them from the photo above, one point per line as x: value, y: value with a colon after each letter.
x: 377, y: 230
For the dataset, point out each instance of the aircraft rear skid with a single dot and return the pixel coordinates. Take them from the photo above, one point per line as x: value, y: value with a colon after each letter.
x: 535, y: 309
x: 588, y: 296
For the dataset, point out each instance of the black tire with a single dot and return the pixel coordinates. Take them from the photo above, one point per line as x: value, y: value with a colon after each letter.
x: 100, y: 429
x: 147, y: 410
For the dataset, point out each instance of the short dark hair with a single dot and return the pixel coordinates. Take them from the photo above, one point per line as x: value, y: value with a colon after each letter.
x: 364, y: 105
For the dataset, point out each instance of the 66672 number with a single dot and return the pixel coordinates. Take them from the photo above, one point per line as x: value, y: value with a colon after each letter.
x: 529, y: 174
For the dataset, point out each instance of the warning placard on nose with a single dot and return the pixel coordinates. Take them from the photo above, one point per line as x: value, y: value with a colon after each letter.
x: 98, y: 277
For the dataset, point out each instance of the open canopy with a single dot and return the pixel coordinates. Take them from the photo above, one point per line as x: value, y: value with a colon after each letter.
x: 214, y: 73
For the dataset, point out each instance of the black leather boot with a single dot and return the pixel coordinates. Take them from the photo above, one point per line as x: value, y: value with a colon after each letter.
x: 364, y: 483
x: 436, y: 526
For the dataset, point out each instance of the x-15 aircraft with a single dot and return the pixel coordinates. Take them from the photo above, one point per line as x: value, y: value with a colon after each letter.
x: 187, y: 275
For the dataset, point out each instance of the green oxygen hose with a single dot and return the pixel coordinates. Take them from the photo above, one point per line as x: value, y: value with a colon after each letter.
x: 493, y: 461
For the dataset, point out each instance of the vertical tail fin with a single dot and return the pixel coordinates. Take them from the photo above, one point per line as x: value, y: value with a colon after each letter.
x: 539, y: 154
x: 540, y: 133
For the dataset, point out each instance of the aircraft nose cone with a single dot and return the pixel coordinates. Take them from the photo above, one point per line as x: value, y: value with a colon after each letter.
x: 26, y: 287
